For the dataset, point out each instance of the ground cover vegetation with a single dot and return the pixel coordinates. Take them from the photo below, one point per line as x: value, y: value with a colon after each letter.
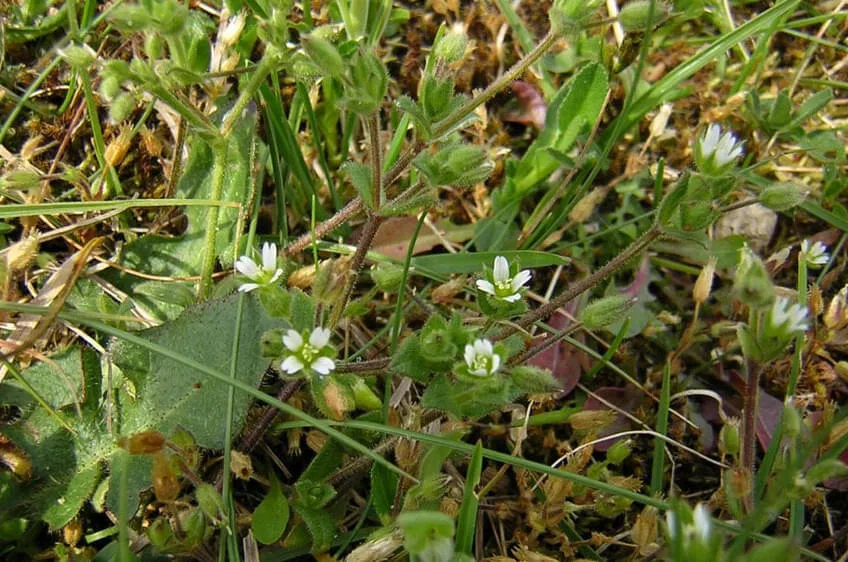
x: 371, y: 280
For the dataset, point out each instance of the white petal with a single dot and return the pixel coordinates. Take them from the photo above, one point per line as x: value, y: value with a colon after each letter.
x: 247, y: 267
x: 275, y: 277
x: 323, y: 365
x: 512, y: 298
x: 483, y: 347
x: 702, y: 521
x: 671, y: 523
x: 501, y: 270
x: 247, y: 287
x: 485, y: 286
x: 469, y: 354
x: 292, y: 340
x: 479, y: 372
x: 521, y: 279
x: 319, y: 337
x: 496, y: 362
x: 269, y: 256
x: 291, y: 364
x: 805, y: 246
x: 709, y: 141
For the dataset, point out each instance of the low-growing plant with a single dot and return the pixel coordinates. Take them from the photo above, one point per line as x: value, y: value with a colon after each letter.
x: 212, y: 344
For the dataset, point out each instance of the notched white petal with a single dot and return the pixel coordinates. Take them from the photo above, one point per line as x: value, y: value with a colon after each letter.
x: 501, y: 269
x: 319, y: 337
x: 485, y: 286
x: 247, y: 287
x: 291, y: 364
x: 323, y: 365
x: 292, y: 340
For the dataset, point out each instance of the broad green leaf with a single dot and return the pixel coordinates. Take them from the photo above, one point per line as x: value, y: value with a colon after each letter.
x: 171, y: 394
x: 271, y: 515
x: 59, y: 381
x: 466, y: 399
x: 446, y: 264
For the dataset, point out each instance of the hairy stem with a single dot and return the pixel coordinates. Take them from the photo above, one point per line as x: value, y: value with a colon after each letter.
x: 368, y: 233
x: 204, y: 287
x: 749, y: 424
x: 373, y: 126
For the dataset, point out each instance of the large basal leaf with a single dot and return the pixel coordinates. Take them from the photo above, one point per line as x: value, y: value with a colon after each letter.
x: 171, y: 394
x: 165, y: 394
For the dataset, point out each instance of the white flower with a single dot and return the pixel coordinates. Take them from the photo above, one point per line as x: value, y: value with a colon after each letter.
x: 231, y: 31
x: 815, y: 255
x: 259, y: 275
x: 715, y: 152
x: 481, y: 358
x: 702, y: 522
x: 311, y: 355
x: 787, y: 318
x: 500, y: 285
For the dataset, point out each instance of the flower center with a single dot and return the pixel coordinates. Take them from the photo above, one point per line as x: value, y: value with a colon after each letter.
x: 503, y: 288
x: 482, y: 362
x: 308, y: 353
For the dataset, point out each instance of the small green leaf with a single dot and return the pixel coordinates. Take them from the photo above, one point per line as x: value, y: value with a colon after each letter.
x: 383, y: 488
x: 271, y: 515
x: 360, y: 176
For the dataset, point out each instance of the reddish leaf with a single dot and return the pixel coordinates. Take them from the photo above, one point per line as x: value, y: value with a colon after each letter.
x: 566, y: 362
x: 533, y: 106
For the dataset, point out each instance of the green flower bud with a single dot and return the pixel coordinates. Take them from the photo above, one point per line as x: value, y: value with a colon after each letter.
x: 364, y: 397
x: 782, y: 196
x: 21, y: 179
x: 606, y: 311
x: 160, y: 535
x: 271, y: 343
x: 110, y: 87
x: 634, y: 16
x: 371, y: 82
x: 121, y: 107
x: 728, y: 438
x: 153, y: 46
x: 427, y: 531
x: 209, y: 500
x: 193, y: 525
x: 324, y: 54
x: 753, y: 285
x: 825, y: 470
x: 791, y: 422
x: 451, y: 47
x: 619, y: 451
x: 80, y: 57
x: 387, y: 277
x: 569, y: 16
x: 131, y: 17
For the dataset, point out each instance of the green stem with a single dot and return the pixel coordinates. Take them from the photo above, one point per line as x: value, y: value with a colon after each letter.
x: 219, y: 148
x: 247, y: 93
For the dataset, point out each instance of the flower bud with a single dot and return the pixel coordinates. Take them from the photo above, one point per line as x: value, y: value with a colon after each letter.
x: 154, y: 46
x: 728, y: 438
x: 753, y: 285
x: 387, y: 277
x: 605, y: 311
x: 72, y: 532
x: 619, y: 451
x: 704, y: 283
x: 634, y: 16
x: 324, y: 54
x: 782, y: 196
x: 451, y: 47
x: 110, y: 87
x: 79, y: 57
x: 241, y: 465
x: 121, y: 107
x: 21, y: 254
x: 165, y: 483
x: 364, y: 397
x: 160, y: 535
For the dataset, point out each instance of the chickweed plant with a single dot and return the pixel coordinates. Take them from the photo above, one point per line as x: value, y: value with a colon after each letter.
x: 362, y: 280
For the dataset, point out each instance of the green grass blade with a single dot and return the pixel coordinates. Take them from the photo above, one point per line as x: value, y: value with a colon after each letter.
x: 466, y: 520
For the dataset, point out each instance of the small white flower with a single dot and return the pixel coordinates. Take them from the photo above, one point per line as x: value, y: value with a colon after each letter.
x: 500, y: 285
x: 816, y: 255
x: 786, y: 317
x: 702, y: 522
x: 232, y: 29
x: 715, y: 152
x: 481, y: 358
x: 311, y: 355
x: 259, y: 275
